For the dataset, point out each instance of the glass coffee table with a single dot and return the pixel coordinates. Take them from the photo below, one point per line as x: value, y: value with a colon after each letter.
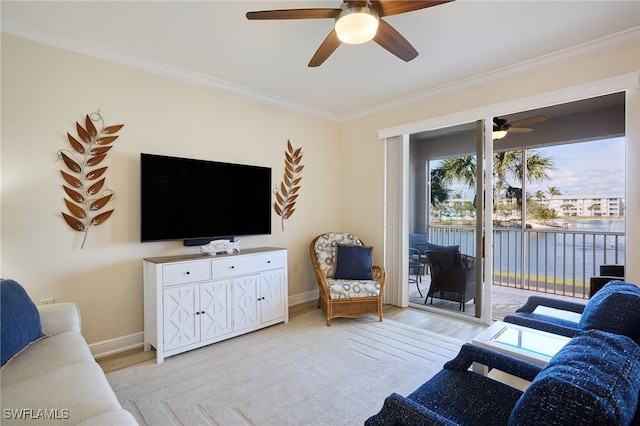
x: 520, y: 342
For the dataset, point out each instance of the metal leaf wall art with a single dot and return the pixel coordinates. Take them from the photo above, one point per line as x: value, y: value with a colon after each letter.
x: 84, y: 177
x: 287, y: 193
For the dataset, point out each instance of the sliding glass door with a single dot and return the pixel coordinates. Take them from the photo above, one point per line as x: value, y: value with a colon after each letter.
x: 446, y: 198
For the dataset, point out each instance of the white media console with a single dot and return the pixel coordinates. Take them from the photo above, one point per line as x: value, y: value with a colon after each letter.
x: 195, y: 300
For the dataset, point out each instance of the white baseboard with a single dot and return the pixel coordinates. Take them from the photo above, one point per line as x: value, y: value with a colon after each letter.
x: 303, y: 297
x: 136, y: 340
x: 117, y: 345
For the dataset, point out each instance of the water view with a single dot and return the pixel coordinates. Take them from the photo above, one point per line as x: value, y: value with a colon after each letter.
x: 551, y: 259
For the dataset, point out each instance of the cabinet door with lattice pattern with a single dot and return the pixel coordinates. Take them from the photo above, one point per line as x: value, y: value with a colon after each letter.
x: 215, y: 309
x: 181, y: 316
x: 245, y: 302
x: 272, y: 293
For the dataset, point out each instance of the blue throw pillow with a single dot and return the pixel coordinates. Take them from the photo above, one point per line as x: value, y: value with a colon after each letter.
x: 19, y: 319
x: 615, y: 308
x: 593, y: 380
x: 353, y: 262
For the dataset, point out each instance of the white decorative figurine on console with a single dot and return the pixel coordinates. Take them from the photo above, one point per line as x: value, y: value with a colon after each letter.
x: 221, y: 246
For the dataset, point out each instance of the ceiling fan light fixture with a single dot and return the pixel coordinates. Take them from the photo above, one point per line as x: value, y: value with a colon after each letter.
x: 499, y: 134
x: 356, y: 25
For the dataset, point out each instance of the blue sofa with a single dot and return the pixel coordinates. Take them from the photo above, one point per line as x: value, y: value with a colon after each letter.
x: 615, y: 308
x: 593, y: 380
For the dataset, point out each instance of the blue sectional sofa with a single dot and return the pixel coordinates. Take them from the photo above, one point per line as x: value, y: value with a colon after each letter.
x: 593, y: 380
x: 615, y: 308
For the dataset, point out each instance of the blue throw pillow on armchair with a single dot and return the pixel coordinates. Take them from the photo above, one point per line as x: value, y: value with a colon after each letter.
x: 615, y: 308
x: 19, y: 319
x: 353, y: 262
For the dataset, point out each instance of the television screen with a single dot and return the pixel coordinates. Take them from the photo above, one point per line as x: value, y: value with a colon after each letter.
x: 198, y: 201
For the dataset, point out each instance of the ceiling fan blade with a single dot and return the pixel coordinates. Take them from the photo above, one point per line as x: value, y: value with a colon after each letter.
x: 293, y: 14
x: 520, y: 130
x: 529, y: 120
x: 394, y: 42
x: 356, y: 3
x: 394, y: 7
x: 328, y: 46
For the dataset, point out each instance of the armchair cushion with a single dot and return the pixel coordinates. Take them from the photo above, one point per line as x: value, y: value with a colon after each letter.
x: 353, y: 262
x: 594, y: 379
x: 348, y: 289
x: 20, y: 320
x: 616, y: 309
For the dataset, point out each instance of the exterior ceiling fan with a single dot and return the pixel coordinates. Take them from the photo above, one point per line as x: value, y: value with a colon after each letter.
x: 501, y: 126
x: 357, y: 22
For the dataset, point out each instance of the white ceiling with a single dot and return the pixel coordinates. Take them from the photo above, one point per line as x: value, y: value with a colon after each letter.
x: 211, y: 43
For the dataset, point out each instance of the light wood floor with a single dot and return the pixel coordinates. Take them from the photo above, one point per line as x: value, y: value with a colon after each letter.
x: 416, y: 318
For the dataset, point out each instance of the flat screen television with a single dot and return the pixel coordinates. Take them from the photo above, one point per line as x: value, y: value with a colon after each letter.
x: 198, y: 200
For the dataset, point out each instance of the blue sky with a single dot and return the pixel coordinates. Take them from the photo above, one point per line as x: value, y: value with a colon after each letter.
x: 586, y: 168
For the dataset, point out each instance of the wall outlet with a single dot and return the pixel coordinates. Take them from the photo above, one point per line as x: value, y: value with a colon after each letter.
x: 48, y: 301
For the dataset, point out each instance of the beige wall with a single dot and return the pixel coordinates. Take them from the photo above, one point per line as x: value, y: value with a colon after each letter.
x: 45, y: 90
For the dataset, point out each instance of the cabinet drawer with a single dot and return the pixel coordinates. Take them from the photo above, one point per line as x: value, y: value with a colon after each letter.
x: 180, y: 273
x: 228, y: 267
x: 264, y: 262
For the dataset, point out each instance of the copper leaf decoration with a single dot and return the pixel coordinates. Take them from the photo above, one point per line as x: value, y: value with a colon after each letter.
x: 287, y: 193
x: 71, y: 180
x: 89, y: 195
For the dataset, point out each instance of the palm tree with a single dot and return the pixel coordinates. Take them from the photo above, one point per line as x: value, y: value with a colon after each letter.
x: 506, y: 165
x: 553, y: 190
x: 566, y: 208
x: 460, y: 168
x: 539, y: 195
x: 439, y: 191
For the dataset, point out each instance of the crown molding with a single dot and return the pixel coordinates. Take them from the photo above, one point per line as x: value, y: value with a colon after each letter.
x: 582, y: 50
x: 112, y: 55
x: 144, y: 64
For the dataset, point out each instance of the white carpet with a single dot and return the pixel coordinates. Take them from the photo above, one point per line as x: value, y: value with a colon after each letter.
x: 300, y: 373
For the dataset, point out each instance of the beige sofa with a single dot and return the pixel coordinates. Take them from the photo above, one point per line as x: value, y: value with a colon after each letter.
x: 56, y: 380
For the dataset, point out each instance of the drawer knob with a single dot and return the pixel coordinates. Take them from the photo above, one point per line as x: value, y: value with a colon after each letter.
x: 187, y: 272
x: 268, y: 261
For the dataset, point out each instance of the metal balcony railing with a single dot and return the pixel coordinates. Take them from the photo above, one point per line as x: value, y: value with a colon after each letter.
x: 557, y: 261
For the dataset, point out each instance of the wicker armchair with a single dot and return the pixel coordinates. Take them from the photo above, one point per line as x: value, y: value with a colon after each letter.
x: 341, y: 295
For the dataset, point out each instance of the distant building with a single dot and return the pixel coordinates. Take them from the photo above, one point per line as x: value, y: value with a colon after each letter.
x: 586, y: 205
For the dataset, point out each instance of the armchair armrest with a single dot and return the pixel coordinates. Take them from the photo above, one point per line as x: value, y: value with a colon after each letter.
x: 379, y: 274
x: 544, y: 323
x: 470, y: 353
x: 534, y: 301
x: 59, y: 318
x: 397, y: 407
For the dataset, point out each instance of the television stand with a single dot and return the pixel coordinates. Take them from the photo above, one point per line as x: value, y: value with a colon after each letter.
x: 195, y: 300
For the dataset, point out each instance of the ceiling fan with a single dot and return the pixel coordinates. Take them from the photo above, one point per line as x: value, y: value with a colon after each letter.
x: 501, y: 126
x: 356, y: 22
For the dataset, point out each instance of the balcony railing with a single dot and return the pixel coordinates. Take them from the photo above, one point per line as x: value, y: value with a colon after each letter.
x: 558, y: 261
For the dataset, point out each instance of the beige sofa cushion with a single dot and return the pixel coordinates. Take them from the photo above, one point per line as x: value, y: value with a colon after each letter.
x: 46, y: 355
x: 80, y: 390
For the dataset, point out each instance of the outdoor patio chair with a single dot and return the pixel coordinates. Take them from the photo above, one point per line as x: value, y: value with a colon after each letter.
x: 615, y: 308
x: 453, y: 275
x: 417, y: 266
x: 607, y: 273
x: 349, y: 285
